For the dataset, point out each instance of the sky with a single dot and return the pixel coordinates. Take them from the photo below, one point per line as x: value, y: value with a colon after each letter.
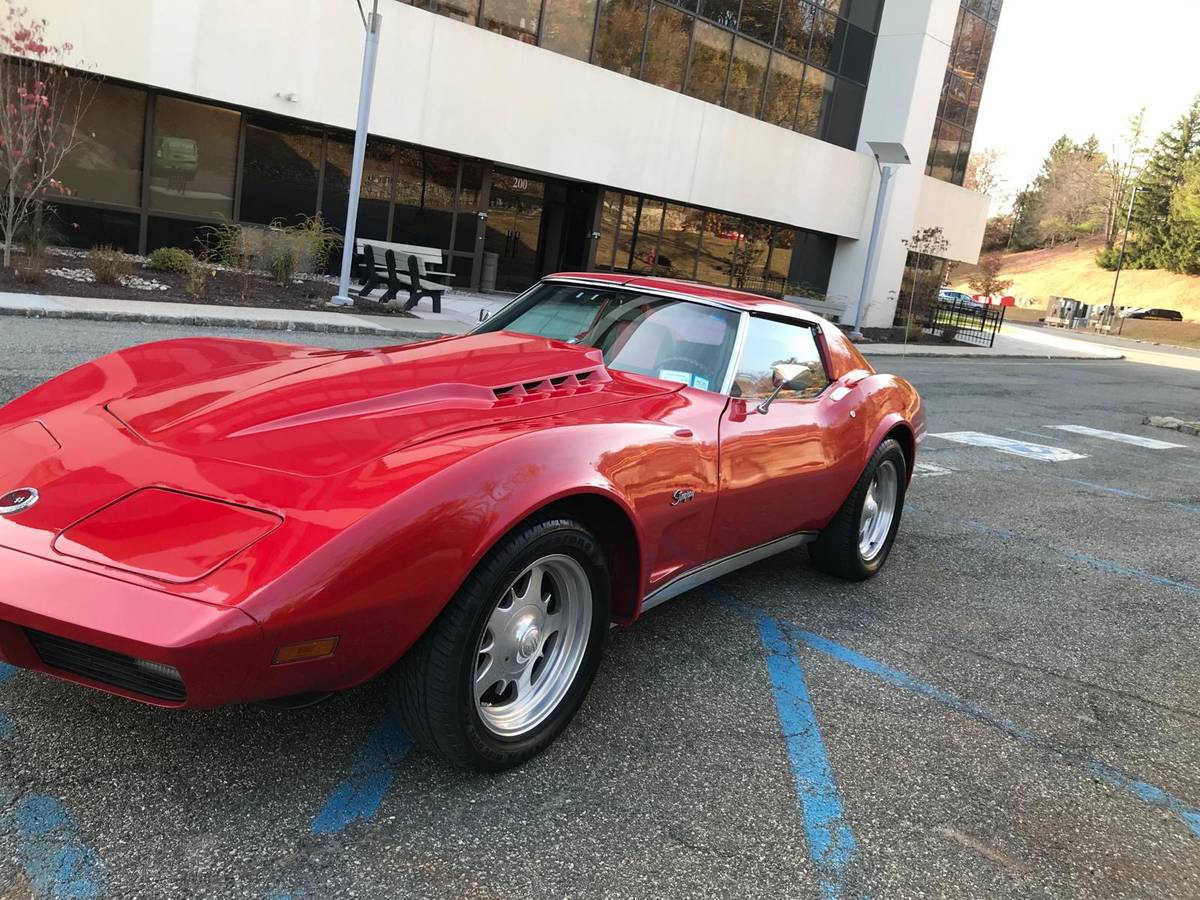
x: 1083, y: 67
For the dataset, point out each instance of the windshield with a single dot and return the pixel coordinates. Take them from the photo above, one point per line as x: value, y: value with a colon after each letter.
x: 663, y: 337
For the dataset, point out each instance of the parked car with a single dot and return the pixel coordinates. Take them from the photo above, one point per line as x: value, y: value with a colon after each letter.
x: 204, y: 521
x: 1142, y: 312
x: 962, y: 302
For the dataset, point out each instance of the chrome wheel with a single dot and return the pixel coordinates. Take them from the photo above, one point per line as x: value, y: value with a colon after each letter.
x: 879, y: 510
x: 533, y: 645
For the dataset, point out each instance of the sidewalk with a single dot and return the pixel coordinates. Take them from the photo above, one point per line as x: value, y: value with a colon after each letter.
x: 1013, y: 342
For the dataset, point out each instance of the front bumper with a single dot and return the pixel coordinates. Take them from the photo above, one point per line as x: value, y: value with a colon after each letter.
x: 103, y: 631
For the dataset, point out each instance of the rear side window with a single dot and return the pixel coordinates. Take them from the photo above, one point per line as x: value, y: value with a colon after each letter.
x: 769, y: 343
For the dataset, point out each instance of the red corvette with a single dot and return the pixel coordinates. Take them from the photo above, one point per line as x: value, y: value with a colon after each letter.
x: 199, y: 522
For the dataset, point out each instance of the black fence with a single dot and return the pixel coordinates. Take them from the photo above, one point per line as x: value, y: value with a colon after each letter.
x: 965, y: 321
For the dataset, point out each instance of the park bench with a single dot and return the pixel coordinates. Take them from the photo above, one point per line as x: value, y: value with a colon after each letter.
x: 402, y: 267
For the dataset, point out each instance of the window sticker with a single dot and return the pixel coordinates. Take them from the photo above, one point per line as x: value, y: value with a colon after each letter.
x: 684, y: 378
x: 701, y: 383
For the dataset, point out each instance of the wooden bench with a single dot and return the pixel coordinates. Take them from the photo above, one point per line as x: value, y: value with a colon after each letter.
x: 403, y: 267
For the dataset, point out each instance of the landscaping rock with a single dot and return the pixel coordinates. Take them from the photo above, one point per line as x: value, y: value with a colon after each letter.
x: 1173, y: 424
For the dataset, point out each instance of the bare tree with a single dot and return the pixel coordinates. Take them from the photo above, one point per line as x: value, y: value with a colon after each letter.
x: 1073, y: 201
x: 986, y: 278
x: 926, y: 248
x: 1123, y: 170
x: 43, y: 104
x: 983, y: 173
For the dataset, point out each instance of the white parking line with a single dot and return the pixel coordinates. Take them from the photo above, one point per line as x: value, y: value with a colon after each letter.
x: 1010, y: 446
x: 929, y: 470
x: 1136, y: 439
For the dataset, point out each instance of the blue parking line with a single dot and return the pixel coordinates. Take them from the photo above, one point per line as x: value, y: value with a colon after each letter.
x: 6, y: 727
x: 1105, y: 565
x: 7, y: 672
x: 371, y: 774
x: 58, y: 864
x: 1105, y: 489
x: 831, y: 844
x: 1112, y: 775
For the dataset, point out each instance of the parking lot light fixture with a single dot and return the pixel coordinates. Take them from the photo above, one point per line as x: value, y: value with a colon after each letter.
x: 373, y: 23
x: 888, y: 155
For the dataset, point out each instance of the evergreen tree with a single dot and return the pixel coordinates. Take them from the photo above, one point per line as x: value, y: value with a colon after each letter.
x: 1161, y: 234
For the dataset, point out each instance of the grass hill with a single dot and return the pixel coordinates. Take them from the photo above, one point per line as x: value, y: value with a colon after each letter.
x: 1071, y: 271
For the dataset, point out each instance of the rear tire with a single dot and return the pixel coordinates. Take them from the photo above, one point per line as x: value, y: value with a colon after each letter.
x: 857, y: 542
x: 506, y: 666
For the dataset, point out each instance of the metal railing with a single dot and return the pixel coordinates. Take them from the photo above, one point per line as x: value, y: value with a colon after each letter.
x: 972, y: 323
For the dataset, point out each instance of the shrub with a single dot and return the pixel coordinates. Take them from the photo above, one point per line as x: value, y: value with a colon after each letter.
x: 235, y: 246
x: 314, y: 241
x: 949, y: 333
x: 171, y: 259
x: 197, y: 278
x: 281, y: 253
x: 108, y: 264
x: 31, y: 269
x: 913, y: 331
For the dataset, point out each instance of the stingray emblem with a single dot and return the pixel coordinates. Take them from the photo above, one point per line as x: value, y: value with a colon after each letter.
x: 17, y: 501
x: 683, y: 495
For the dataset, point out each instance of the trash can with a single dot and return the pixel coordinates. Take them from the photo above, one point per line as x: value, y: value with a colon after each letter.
x: 487, y: 273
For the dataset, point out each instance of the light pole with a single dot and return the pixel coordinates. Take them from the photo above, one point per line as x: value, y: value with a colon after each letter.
x: 373, y: 23
x: 887, y: 157
x: 1121, y: 258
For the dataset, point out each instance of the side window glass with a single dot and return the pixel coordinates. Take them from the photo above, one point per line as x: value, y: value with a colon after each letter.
x: 770, y: 343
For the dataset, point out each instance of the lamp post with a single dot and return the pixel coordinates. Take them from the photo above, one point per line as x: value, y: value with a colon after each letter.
x: 373, y: 23
x: 1121, y: 258
x: 887, y: 157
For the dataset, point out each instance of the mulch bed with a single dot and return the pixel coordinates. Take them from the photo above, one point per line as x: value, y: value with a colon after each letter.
x: 222, y: 289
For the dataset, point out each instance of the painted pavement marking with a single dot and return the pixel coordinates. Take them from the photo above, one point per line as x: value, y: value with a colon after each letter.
x: 1135, y: 439
x: 930, y: 470
x: 371, y: 774
x: 7, y: 672
x: 1011, y: 446
x: 831, y: 844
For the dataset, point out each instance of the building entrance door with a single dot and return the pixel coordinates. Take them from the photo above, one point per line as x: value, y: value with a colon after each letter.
x: 514, y: 226
x: 567, y: 225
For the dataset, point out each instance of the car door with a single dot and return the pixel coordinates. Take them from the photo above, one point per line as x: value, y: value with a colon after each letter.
x: 773, y: 467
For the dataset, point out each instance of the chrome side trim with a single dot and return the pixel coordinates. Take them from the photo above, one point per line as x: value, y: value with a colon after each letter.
x: 693, y: 578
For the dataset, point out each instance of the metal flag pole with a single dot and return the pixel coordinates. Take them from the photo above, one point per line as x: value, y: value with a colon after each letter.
x: 370, y: 52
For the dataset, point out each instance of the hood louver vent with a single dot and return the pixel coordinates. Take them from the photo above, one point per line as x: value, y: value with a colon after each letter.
x: 548, y: 386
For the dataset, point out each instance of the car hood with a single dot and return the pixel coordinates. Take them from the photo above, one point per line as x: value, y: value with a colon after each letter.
x: 317, y: 412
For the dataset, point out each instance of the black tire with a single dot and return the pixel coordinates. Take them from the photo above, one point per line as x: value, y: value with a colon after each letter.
x: 432, y: 684
x: 836, y: 550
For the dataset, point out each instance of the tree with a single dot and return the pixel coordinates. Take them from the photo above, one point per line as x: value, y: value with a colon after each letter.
x: 983, y: 173
x: 986, y: 278
x: 1162, y: 240
x: 43, y: 103
x: 923, y: 271
x: 1123, y: 168
x: 1072, y: 191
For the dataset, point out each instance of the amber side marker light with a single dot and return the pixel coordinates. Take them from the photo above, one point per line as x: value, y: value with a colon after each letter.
x: 305, y: 650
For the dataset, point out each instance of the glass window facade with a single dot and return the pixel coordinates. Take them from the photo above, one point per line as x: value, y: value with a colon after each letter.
x: 106, y: 166
x: 742, y: 54
x: 648, y: 236
x: 193, y: 158
x: 970, y: 53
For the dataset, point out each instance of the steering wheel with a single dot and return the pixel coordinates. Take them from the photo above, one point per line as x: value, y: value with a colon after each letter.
x: 686, y: 364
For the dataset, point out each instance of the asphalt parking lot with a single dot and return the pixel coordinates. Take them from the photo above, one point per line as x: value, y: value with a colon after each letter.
x: 1011, y: 709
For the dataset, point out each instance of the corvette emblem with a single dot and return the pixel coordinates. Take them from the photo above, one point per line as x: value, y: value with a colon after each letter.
x: 683, y: 495
x: 17, y: 501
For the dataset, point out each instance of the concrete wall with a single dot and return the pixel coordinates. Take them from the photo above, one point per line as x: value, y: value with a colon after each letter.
x: 961, y: 214
x: 444, y: 84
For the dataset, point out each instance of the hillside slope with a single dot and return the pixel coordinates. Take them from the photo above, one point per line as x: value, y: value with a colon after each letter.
x: 1071, y: 271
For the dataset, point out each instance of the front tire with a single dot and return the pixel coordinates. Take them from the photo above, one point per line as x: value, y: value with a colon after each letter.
x: 510, y: 660
x: 857, y: 542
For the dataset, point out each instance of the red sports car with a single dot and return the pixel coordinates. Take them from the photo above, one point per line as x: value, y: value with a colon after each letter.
x: 199, y: 522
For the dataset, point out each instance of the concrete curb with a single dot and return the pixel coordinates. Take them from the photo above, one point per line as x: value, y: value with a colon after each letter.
x: 220, y: 322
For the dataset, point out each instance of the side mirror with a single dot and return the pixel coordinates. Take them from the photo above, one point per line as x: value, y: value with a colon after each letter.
x: 786, y: 377
x: 484, y: 315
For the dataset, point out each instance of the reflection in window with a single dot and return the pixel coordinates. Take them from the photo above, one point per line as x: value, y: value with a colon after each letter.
x: 722, y: 234
x: 771, y: 343
x: 816, y: 94
x: 645, y: 249
x: 824, y: 30
x: 680, y: 242
x: 710, y: 63
x: 968, y: 45
x: 107, y: 164
x: 746, y: 76
x: 846, y: 114
x: 609, y: 213
x: 758, y: 19
x: 567, y: 27
x: 462, y: 10
x: 666, y: 47
x: 619, y: 35
x: 281, y: 171
x: 87, y: 226
x: 795, y: 28
x: 723, y: 12
x: 512, y: 18
x: 783, y: 90
x: 193, y: 158
x: 376, y: 193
